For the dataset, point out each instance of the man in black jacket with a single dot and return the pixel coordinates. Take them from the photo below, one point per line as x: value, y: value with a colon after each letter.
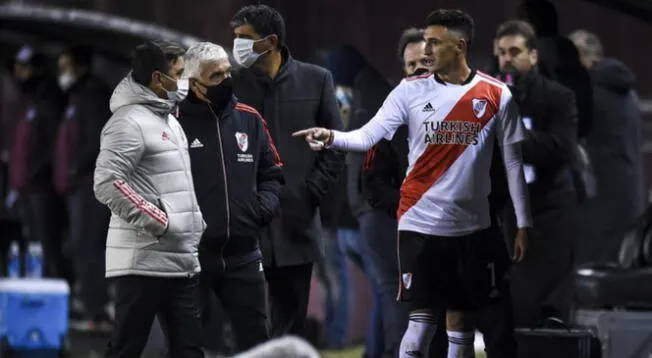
x: 77, y: 147
x: 291, y: 95
x: 238, y: 177
x: 541, y: 282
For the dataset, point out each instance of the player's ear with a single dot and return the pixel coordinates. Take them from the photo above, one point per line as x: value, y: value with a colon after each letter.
x: 461, y: 46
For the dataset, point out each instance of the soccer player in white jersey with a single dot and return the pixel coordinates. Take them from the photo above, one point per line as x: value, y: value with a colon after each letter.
x: 449, y: 256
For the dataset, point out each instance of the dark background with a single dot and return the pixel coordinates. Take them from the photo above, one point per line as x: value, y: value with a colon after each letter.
x: 375, y: 25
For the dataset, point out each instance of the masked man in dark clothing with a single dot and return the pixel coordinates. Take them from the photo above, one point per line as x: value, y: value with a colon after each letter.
x: 238, y: 178
x: 290, y: 95
x: 541, y: 282
x: 77, y: 147
x: 31, y: 160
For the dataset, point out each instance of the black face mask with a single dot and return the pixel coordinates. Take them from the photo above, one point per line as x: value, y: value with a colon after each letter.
x: 221, y: 94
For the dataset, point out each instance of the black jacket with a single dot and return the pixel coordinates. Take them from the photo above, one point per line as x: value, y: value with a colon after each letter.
x: 559, y: 61
x: 369, y: 92
x: 614, y: 146
x: 237, y: 176
x: 301, y: 96
x: 550, y: 142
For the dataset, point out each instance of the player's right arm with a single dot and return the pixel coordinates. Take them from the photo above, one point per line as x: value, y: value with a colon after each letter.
x: 391, y: 115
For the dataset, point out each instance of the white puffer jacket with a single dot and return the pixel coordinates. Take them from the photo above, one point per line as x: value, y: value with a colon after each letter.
x: 143, y: 175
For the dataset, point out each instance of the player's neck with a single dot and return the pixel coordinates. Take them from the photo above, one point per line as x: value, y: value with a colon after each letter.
x: 457, y: 74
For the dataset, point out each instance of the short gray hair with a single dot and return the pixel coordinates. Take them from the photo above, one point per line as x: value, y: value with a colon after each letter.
x: 199, y: 53
x: 587, y: 43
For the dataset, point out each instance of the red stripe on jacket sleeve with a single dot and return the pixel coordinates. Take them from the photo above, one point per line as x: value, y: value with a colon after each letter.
x: 141, y: 204
x: 248, y: 109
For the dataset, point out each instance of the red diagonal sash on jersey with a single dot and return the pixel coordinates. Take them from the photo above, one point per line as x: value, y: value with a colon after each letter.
x: 437, y: 159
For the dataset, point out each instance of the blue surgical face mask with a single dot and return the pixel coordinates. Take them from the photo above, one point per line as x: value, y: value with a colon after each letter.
x: 243, y: 51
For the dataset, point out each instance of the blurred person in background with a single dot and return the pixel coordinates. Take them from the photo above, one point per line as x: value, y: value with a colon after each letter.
x: 615, y: 148
x: 31, y: 158
x: 143, y: 175
x: 360, y: 91
x: 342, y: 245
x: 77, y: 147
x: 11, y: 108
x: 290, y: 95
x: 558, y: 59
x: 333, y: 271
x: 541, y: 285
x: 238, y: 178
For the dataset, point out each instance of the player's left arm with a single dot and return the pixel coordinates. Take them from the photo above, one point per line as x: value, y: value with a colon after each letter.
x: 553, y: 146
x: 510, y: 134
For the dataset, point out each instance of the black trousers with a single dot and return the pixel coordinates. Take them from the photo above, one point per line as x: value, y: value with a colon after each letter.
x: 241, y: 292
x: 542, y: 284
x: 139, y: 299
x: 289, y: 291
x: 88, y: 223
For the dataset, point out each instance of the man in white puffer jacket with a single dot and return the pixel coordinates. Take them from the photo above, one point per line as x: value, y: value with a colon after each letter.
x: 143, y: 175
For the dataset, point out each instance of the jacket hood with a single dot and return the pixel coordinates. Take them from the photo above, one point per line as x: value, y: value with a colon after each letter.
x: 129, y: 92
x: 613, y: 74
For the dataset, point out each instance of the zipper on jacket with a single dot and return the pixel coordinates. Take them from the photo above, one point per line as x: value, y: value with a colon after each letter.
x: 185, y: 171
x: 226, y: 187
x: 188, y: 177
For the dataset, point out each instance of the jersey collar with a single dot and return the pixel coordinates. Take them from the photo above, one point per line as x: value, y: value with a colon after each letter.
x: 466, y: 81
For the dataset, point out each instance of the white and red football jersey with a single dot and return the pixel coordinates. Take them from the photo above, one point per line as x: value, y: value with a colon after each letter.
x: 452, y: 131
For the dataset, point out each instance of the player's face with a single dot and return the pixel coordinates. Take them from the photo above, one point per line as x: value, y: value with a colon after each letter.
x: 514, y: 55
x: 444, y: 47
x: 414, y: 58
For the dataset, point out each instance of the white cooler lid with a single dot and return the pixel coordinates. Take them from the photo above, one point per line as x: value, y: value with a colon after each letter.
x: 34, y: 285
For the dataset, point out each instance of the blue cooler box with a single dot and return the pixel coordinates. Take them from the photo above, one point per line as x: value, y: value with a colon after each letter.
x: 33, y: 313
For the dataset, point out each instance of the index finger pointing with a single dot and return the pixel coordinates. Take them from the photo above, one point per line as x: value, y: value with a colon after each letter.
x: 303, y: 132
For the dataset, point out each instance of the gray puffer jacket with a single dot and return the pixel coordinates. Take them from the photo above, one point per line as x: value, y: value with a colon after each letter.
x: 143, y: 175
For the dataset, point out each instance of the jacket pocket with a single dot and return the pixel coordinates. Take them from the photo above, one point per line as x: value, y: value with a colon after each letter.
x: 145, y: 239
x: 245, y: 217
x: 172, y: 227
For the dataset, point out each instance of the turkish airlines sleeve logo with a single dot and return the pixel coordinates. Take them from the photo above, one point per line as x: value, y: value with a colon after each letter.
x: 243, y: 141
x: 479, y: 107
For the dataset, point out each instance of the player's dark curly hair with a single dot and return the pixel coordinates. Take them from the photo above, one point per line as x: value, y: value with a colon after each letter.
x: 409, y: 36
x: 455, y: 20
